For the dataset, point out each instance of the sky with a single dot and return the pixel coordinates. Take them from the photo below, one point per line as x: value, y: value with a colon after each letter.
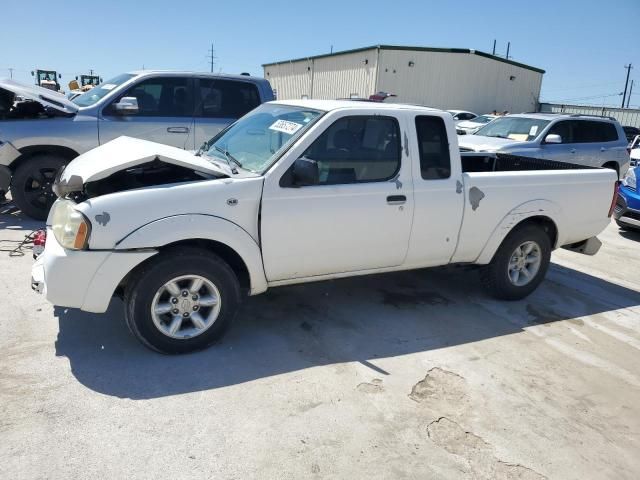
x: 582, y: 44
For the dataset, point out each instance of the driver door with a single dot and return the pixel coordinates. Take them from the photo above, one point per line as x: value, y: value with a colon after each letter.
x: 357, y: 217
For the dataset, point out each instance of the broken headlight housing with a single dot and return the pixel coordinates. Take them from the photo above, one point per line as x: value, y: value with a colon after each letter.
x: 70, y: 227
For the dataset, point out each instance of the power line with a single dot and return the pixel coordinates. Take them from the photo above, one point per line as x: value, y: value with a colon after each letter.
x: 211, y: 56
x: 626, y: 84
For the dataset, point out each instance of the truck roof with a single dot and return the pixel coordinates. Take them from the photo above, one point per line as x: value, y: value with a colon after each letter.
x: 328, y: 105
x: 195, y: 73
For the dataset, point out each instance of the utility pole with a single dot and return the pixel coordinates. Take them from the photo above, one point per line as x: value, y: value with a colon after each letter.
x: 211, y: 57
x: 91, y: 71
x: 629, y: 97
x: 626, y: 84
x: 11, y: 72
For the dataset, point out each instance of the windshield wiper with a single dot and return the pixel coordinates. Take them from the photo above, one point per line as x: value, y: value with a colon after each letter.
x: 230, y: 158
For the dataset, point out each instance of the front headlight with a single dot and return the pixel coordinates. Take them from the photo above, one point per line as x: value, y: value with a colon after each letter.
x: 629, y: 179
x: 70, y: 227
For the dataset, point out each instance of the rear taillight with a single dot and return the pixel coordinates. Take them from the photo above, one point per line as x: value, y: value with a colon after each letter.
x: 616, y: 187
x: 39, y: 241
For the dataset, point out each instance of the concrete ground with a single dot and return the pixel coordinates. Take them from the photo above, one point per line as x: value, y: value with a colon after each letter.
x: 408, y: 375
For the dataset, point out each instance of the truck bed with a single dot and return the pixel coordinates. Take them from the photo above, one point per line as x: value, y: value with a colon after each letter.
x: 501, y: 189
x: 501, y: 162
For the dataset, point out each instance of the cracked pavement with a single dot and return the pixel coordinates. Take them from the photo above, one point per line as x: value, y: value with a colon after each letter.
x: 408, y: 375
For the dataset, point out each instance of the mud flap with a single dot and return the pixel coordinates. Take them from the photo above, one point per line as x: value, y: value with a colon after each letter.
x: 586, y: 247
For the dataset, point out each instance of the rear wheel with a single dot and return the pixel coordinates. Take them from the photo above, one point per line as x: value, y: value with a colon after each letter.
x: 519, y: 265
x: 183, y: 301
x: 32, y: 182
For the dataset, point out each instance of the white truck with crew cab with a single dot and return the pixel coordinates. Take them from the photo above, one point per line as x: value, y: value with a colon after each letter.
x: 299, y: 191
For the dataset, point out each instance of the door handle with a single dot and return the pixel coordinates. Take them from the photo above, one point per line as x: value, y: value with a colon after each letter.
x: 573, y: 150
x: 602, y: 149
x: 396, y: 199
x: 178, y: 129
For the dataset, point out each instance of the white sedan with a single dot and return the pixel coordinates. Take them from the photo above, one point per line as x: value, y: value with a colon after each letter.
x: 470, y: 126
x: 462, y: 115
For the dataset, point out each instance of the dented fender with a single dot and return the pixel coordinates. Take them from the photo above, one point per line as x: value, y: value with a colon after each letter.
x: 534, y: 208
x: 176, y: 228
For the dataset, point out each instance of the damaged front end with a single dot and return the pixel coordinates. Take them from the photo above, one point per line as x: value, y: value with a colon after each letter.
x: 126, y: 164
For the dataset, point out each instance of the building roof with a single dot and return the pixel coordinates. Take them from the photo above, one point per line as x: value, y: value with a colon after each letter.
x: 414, y: 49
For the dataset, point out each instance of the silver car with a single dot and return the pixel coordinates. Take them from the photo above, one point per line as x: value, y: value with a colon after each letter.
x: 578, y: 139
x: 47, y: 130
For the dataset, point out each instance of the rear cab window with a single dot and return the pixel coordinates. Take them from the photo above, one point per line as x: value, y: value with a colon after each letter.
x: 433, y: 147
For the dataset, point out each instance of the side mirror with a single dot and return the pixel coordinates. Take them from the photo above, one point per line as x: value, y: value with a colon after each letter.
x: 127, y: 106
x: 305, y: 172
x: 553, y: 138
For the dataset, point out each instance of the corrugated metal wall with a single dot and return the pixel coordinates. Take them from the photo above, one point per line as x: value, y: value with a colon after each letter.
x: 458, y: 81
x: 438, y: 79
x: 338, y: 76
x: 342, y: 76
x: 626, y: 116
x: 291, y: 79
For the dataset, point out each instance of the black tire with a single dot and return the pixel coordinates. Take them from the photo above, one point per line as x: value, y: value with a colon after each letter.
x: 149, y: 279
x: 31, y: 184
x: 495, y: 276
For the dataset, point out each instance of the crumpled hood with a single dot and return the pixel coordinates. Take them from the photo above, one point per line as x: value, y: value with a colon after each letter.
x: 46, y: 97
x: 479, y: 143
x: 121, y: 154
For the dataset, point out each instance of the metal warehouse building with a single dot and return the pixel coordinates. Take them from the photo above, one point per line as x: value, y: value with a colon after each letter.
x: 447, y: 78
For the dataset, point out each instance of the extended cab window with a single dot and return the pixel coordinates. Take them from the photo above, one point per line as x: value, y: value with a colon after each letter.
x: 433, y: 146
x: 357, y: 149
x: 226, y: 98
x: 162, y: 97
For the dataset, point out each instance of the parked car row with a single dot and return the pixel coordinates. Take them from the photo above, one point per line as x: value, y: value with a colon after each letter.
x: 578, y: 139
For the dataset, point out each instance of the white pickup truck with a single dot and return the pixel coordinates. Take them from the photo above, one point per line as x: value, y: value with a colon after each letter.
x: 300, y: 191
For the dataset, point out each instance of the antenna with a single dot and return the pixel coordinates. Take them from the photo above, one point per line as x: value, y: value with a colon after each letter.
x: 508, y: 48
x: 494, y: 47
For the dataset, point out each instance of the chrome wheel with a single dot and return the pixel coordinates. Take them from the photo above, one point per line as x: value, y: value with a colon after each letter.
x: 186, y: 306
x: 524, y: 263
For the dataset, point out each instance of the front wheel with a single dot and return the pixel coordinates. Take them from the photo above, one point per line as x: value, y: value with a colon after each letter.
x: 183, y: 301
x: 519, y: 265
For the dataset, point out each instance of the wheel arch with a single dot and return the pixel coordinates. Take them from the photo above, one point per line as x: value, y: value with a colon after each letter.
x: 547, y: 215
x: 209, y: 233
x: 28, y: 152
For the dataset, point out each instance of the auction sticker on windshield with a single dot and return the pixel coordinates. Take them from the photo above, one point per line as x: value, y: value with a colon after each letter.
x: 285, y: 126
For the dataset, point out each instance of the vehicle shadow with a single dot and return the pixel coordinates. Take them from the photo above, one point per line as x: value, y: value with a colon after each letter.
x: 12, y: 218
x: 630, y: 234
x: 358, y: 319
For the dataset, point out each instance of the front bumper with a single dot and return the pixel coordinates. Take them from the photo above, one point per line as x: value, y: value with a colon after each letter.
x: 83, y: 279
x: 627, y: 209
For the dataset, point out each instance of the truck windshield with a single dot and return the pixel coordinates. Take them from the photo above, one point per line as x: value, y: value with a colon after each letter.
x: 92, y: 96
x: 255, y: 141
x: 521, y: 129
